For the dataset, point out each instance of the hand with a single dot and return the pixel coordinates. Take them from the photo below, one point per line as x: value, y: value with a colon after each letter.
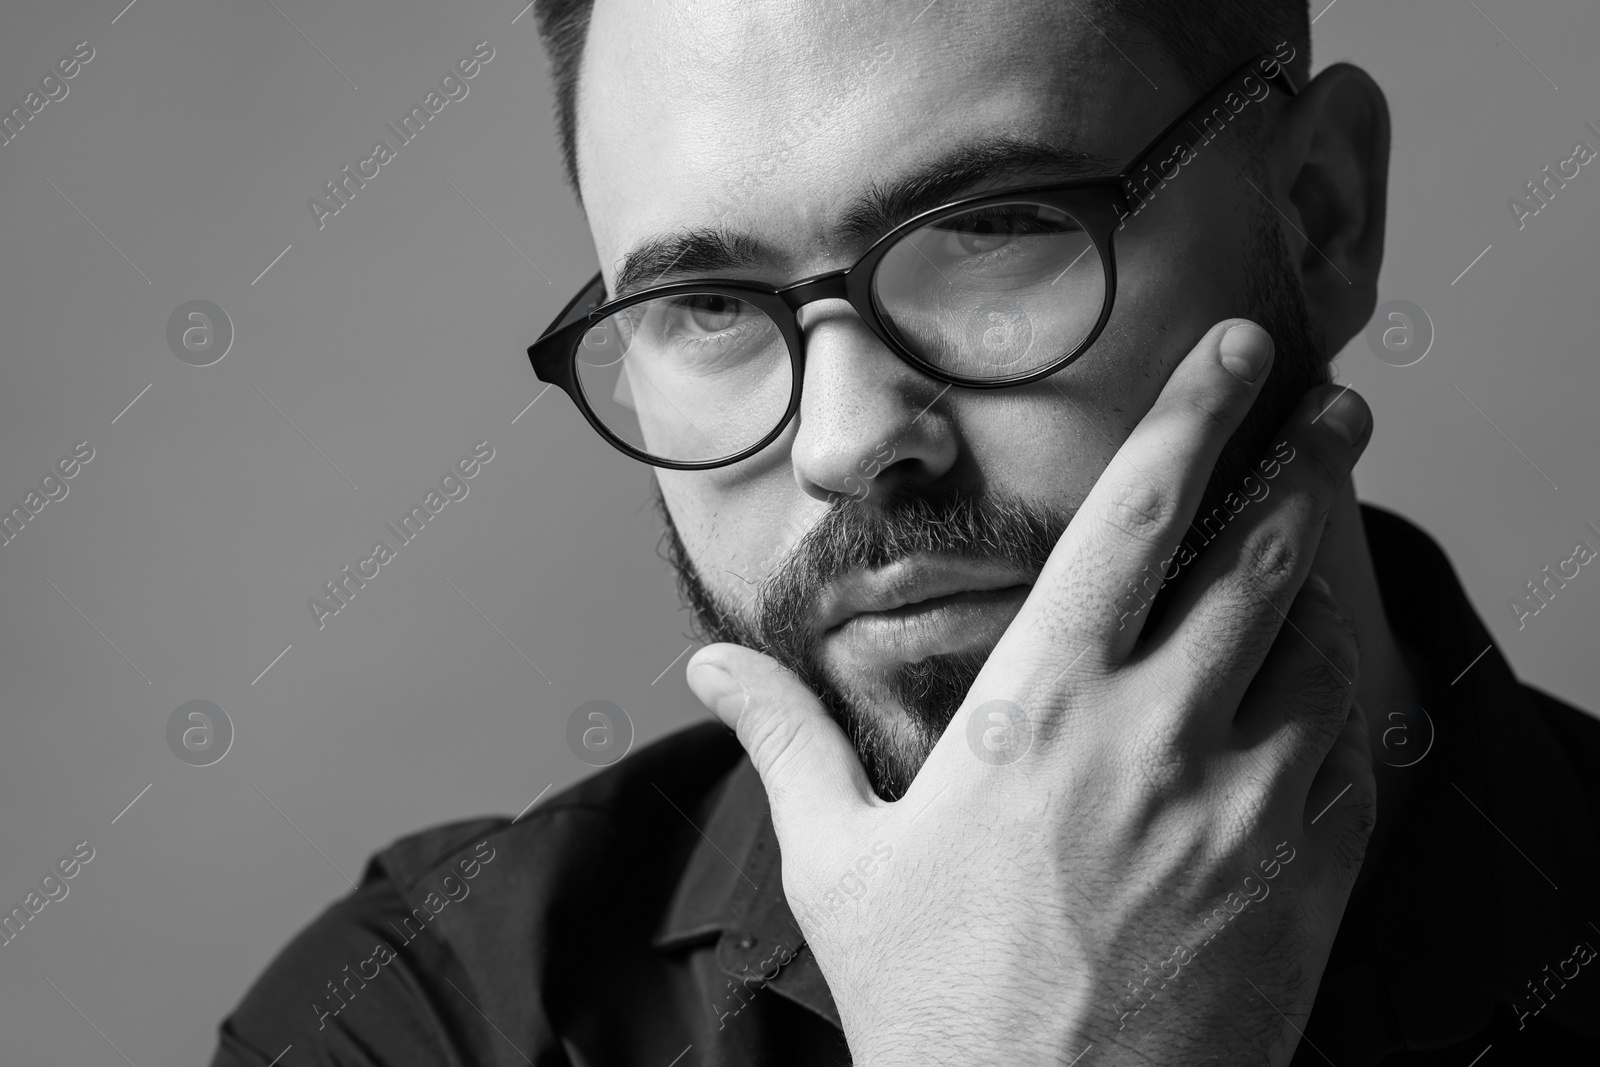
x: 1170, y: 788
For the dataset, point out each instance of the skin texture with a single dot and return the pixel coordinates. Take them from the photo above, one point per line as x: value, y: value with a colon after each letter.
x: 698, y: 89
x: 1081, y: 891
x: 677, y: 110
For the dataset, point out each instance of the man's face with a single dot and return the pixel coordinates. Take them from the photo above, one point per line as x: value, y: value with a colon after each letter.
x: 881, y: 546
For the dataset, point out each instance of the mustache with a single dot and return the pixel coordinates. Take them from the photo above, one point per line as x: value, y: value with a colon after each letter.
x: 856, y: 535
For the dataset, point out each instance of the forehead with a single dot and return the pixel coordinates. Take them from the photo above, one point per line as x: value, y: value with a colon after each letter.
x: 766, y: 116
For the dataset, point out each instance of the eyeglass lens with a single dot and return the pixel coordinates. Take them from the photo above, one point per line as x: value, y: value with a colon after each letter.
x: 988, y: 293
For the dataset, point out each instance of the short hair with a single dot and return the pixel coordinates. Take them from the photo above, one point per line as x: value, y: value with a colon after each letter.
x: 1204, y: 40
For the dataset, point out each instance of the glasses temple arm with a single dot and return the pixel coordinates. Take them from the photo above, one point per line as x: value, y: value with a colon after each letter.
x: 591, y: 296
x: 1176, y: 144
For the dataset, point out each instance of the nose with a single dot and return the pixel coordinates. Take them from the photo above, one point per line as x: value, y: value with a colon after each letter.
x: 868, y: 421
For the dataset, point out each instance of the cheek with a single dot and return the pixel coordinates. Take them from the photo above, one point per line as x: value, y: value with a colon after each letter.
x: 1177, y: 275
x: 723, y: 530
x: 737, y: 525
x: 1180, y: 263
x: 1038, y: 445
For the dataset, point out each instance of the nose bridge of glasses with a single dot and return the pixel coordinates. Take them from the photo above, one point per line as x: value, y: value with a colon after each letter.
x: 829, y: 286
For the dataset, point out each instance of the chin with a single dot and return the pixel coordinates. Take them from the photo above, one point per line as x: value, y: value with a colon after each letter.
x: 895, y: 715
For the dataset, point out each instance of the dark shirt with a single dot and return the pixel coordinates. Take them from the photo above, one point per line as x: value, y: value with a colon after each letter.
x: 639, y: 918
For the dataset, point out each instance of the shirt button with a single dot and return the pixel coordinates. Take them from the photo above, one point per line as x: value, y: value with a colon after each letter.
x: 747, y: 941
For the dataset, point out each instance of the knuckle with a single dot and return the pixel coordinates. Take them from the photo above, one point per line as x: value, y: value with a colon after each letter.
x: 1140, y: 509
x: 1313, y: 694
x: 1272, y: 557
x: 1264, y: 773
x: 1060, y: 694
x: 1230, y: 629
x: 1168, y: 761
x: 1321, y: 693
x: 1336, y: 640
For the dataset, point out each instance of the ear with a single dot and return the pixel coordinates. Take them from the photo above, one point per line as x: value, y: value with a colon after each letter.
x: 1332, y: 155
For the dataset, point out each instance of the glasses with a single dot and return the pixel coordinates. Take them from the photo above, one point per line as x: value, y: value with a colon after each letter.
x: 986, y: 292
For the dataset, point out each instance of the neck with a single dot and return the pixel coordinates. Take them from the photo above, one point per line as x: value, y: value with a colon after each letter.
x: 1345, y: 560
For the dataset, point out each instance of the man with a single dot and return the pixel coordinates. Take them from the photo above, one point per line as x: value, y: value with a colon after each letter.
x: 1080, y: 714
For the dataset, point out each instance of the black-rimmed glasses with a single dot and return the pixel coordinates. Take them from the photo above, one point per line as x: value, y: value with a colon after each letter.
x: 989, y: 291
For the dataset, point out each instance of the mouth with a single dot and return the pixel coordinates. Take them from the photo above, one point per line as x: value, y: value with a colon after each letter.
x: 920, y: 606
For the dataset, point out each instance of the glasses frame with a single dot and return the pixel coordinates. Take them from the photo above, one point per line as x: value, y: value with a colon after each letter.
x: 1101, y: 204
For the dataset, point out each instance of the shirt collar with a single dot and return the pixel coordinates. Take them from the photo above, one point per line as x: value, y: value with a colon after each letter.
x: 731, y: 892
x: 1483, y: 883
x: 1493, y: 865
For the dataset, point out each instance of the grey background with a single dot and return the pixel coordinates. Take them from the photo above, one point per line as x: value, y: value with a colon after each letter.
x: 393, y: 339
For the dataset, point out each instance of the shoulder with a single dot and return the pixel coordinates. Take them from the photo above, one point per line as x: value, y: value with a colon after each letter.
x: 1413, y: 571
x: 320, y: 992
x: 622, y: 807
x: 463, y: 904
x: 1578, y: 733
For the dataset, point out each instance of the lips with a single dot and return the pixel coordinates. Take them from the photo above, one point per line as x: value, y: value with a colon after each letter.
x: 917, y: 585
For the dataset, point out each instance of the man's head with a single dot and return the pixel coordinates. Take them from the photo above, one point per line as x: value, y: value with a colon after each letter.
x: 880, y: 546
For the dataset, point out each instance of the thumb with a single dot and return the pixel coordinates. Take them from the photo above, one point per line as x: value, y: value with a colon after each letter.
x: 807, y: 765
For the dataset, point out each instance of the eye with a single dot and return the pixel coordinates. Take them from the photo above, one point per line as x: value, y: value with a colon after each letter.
x: 981, y: 232
x: 710, y: 312
x: 983, y: 235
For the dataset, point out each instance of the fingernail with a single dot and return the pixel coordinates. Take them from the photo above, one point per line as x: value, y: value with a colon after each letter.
x: 1245, y: 351
x: 719, y: 690
x: 1320, y: 584
x: 1348, y: 416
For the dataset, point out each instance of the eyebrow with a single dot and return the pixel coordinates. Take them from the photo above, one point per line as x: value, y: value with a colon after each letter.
x: 999, y: 160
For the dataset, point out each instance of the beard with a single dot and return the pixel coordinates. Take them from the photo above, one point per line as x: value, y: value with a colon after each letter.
x: 895, y: 721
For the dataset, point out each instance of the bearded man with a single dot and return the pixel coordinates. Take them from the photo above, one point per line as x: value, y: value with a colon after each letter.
x: 1079, y: 713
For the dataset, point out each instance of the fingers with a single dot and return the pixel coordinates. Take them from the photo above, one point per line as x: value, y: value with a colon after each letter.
x: 808, y: 767
x: 1142, y: 504
x: 1229, y: 611
x: 1341, y: 806
x: 1304, y: 737
x: 1296, y: 706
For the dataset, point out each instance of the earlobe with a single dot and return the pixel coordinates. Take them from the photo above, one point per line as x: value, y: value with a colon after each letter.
x: 1333, y: 157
